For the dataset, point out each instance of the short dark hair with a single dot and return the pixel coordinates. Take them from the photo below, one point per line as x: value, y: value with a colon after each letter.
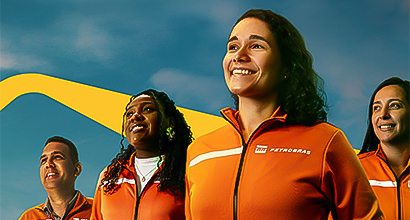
x: 70, y: 145
x: 301, y: 94
x: 371, y: 142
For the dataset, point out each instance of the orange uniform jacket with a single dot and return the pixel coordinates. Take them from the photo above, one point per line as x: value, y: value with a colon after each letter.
x: 393, y: 193
x: 80, y: 211
x: 125, y: 204
x: 282, y: 172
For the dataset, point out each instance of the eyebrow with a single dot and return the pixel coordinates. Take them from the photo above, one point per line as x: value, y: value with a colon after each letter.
x: 53, y: 153
x: 143, y: 103
x: 389, y: 101
x: 250, y: 38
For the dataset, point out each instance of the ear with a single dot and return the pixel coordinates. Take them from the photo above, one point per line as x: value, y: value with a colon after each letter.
x: 78, y: 169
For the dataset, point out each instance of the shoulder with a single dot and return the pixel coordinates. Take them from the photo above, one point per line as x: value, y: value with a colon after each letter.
x: 33, y: 213
x: 367, y: 156
x: 85, y: 199
x: 221, y: 134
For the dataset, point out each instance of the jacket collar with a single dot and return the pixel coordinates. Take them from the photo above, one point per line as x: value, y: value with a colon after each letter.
x: 380, y: 153
x: 129, y: 165
x: 233, y: 115
x: 80, y: 201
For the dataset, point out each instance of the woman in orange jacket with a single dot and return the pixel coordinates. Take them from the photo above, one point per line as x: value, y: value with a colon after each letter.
x: 277, y: 158
x: 146, y: 179
x: 385, y: 154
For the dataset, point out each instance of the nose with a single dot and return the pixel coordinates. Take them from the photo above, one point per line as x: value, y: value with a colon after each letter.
x: 385, y: 112
x: 50, y: 163
x: 137, y: 117
x: 241, y: 56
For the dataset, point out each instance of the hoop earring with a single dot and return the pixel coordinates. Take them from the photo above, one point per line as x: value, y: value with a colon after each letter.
x: 170, y: 134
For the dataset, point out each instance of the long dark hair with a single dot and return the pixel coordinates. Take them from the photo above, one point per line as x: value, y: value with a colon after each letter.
x: 172, y: 172
x: 301, y: 94
x: 371, y: 141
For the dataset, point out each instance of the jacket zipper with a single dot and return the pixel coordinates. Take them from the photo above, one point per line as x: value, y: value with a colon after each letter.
x: 397, y: 187
x: 142, y: 192
x: 238, y: 175
x: 78, y: 210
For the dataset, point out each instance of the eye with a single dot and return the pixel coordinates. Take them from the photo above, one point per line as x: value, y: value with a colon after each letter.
x: 129, y: 114
x: 257, y: 46
x: 233, y: 47
x: 43, y: 161
x: 395, y: 105
x: 148, y: 109
x: 376, y: 108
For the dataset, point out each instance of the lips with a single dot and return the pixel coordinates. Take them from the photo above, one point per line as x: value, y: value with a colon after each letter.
x: 52, y: 174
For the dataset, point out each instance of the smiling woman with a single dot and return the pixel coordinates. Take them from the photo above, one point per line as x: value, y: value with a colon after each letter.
x: 277, y: 158
x: 146, y: 179
x: 385, y: 154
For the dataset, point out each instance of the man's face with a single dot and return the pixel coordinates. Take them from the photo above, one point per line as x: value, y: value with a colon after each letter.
x: 57, y: 170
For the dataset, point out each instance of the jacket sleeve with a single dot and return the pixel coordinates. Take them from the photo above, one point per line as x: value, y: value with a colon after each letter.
x: 345, y: 184
x: 96, y: 209
x: 187, y: 189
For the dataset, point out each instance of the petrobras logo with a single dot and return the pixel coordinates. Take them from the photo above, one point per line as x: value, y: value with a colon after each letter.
x: 290, y: 150
x: 262, y: 149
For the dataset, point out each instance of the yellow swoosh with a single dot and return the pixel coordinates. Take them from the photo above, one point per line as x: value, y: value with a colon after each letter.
x: 87, y: 99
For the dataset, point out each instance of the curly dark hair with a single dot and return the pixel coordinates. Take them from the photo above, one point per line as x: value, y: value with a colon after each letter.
x: 172, y: 172
x: 301, y: 94
x: 371, y: 142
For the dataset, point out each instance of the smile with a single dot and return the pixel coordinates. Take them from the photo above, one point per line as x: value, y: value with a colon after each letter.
x: 387, y: 127
x: 137, y: 128
x: 242, y: 72
x: 51, y: 175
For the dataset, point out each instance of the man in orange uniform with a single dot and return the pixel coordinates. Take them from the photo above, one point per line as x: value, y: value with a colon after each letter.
x: 59, y: 168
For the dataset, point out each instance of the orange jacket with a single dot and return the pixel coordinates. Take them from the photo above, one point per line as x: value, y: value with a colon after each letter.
x: 393, y: 193
x: 81, y: 210
x: 283, y: 172
x: 124, y: 202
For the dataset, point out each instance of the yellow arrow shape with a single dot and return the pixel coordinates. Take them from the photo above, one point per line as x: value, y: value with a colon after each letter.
x: 87, y: 99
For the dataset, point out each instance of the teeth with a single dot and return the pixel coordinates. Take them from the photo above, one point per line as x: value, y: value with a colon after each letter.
x: 385, y: 126
x: 239, y: 71
x: 136, y: 128
x: 50, y: 174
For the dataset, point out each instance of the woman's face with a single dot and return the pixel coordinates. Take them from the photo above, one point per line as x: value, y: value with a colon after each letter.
x: 141, y: 124
x: 252, y: 64
x: 390, y: 116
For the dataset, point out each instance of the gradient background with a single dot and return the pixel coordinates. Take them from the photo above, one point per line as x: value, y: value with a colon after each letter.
x: 176, y: 46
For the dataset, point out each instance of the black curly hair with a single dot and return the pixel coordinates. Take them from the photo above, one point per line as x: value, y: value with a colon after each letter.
x: 301, y: 94
x: 172, y: 172
x: 371, y: 142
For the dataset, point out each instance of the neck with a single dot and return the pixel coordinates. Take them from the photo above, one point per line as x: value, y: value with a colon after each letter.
x: 252, y: 112
x: 146, y: 151
x: 397, y: 155
x: 59, y: 199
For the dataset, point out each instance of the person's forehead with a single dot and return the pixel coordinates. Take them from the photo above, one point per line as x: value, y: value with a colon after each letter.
x: 391, y: 91
x: 142, y: 99
x: 251, y: 26
x: 56, y: 147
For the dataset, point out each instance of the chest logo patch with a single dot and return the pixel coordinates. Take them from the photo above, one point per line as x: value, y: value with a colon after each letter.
x: 260, y: 149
